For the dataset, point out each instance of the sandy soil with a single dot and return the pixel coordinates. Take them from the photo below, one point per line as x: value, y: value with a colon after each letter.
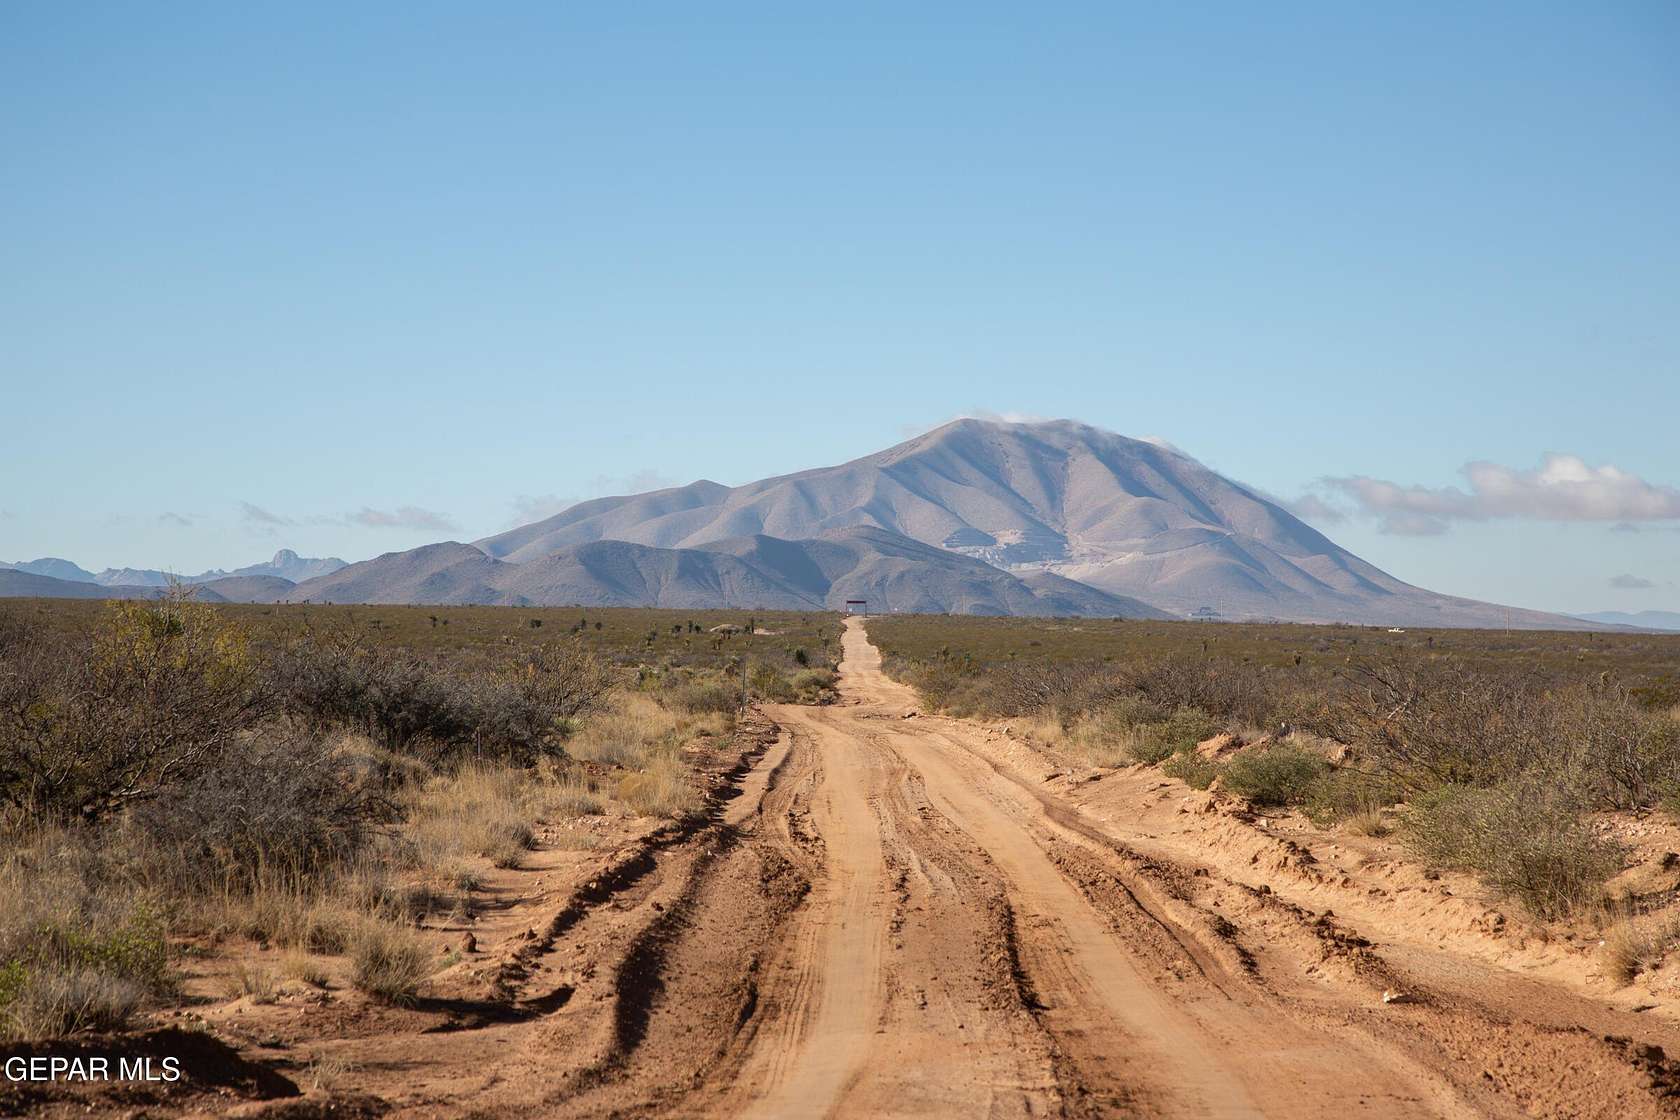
x: 892, y: 914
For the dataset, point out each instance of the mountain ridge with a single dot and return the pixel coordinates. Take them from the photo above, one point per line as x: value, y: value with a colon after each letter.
x: 1133, y: 518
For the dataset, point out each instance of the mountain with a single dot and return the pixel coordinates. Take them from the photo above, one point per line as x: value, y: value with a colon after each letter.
x: 51, y: 566
x: 973, y: 517
x: 132, y: 577
x: 16, y: 584
x: 1645, y: 620
x: 286, y: 565
x: 1128, y: 517
x: 891, y: 571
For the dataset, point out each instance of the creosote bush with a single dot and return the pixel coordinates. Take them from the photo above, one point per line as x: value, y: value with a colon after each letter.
x: 150, y: 701
x: 1523, y: 837
x: 1280, y: 774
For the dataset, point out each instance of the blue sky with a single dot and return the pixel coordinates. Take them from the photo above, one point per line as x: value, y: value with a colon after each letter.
x: 354, y: 278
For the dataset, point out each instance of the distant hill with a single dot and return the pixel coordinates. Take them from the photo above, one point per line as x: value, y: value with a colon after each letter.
x: 286, y: 565
x: 1645, y: 620
x: 16, y: 585
x: 890, y: 571
x: 245, y: 589
x: 51, y: 566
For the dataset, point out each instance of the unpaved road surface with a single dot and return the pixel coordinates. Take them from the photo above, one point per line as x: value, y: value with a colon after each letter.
x: 905, y: 918
x: 893, y: 914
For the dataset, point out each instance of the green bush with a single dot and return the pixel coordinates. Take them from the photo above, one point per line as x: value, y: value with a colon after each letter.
x: 1524, y: 838
x: 1346, y: 792
x: 702, y: 696
x: 1181, y: 731
x: 1191, y: 769
x: 1276, y: 775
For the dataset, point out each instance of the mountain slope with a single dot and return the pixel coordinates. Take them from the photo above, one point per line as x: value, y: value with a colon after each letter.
x: 1124, y: 516
x: 890, y: 571
x: 51, y: 566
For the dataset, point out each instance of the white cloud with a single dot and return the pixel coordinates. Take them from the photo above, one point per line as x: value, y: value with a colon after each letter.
x: 1626, y: 582
x: 1562, y: 488
x: 1311, y: 507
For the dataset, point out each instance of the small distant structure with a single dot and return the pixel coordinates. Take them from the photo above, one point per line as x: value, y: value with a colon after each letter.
x: 857, y: 606
x: 1204, y: 614
x: 1395, y: 630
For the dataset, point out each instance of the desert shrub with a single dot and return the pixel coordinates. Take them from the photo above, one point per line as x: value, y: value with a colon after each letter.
x: 388, y: 694
x: 1276, y: 775
x: 1436, y: 723
x: 1180, y: 731
x: 389, y: 962
x: 1225, y: 690
x: 1439, y: 723
x: 1524, y: 838
x: 814, y: 686
x: 1191, y: 769
x: 938, y: 685
x: 1025, y: 687
x: 1624, y: 756
x: 768, y: 683
x: 700, y: 696
x: 517, y: 711
x: 1348, y: 794
x: 527, y: 707
x: 157, y: 693
x: 272, y: 801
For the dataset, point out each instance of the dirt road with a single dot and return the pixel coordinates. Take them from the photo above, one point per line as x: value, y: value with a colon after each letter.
x: 890, y: 914
x: 914, y: 916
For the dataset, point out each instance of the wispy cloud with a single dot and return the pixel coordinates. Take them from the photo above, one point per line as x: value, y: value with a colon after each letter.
x: 1561, y: 488
x: 168, y: 518
x: 257, y: 515
x: 403, y: 517
x: 1626, y: 582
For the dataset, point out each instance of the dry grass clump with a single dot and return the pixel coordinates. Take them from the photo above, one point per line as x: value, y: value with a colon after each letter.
x: 482, y: 809
x: 257, y: 983
x: 633, y: 727
x: 300, y: 966
x: 80, y: 949
x: 389, y: 962
x: 1639, y: 944
x: 661, y: 789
